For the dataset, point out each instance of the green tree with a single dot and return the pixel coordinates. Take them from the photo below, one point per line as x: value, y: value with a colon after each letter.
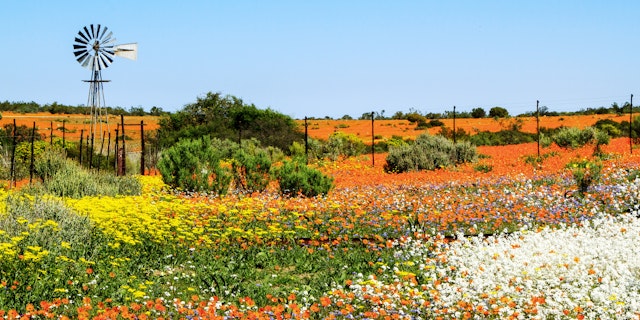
x: 478, y: 113
x: 498, y: 112
x: 228, y: 117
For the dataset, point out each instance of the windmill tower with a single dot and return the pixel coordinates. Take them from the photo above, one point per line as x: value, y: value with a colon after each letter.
x: 95, y: 49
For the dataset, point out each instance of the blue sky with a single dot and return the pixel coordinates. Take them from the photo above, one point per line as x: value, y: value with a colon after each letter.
x: 331, y: 58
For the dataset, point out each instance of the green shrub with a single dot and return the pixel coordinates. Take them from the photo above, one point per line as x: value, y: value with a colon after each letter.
x: 343, y: 145
x: 465, y: 152
x: 585, y: 173
x: 194, y: 165
x: 545, y: 140
x: 71, y: 180
x: 251, y: 170
x: 501, y: 138
x: 49, y: 162
x: 484, y: 168
x: 428, y: 153
x: 571, y: 137
x: 295, y: 177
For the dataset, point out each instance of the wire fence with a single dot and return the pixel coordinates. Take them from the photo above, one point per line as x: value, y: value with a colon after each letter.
x: 110, y: 151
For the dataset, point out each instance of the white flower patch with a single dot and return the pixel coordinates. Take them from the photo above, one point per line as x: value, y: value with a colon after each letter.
x: 592, y: 269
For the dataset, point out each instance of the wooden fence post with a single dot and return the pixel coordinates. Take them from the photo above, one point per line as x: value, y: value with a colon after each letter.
x: 31, y: 164
x: 142, y: 146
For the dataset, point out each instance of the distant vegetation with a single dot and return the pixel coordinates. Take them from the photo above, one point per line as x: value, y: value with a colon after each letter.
x: 55, y: 108
x: 228, y: 117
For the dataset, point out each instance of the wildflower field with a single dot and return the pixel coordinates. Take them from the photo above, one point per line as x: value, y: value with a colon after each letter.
x: 506, y: 237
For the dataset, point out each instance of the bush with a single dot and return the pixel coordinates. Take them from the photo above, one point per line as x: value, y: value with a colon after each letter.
x: 585, y: 173
x: 343, y: 144
x: 49, y: 162
x: 194, y: 165
x: 501, y: 138
x: 70, y: 180
x: 498, y: 112
x: 295, y: 177
x: 251, y: 170
x: 572, y: 137
x: 575, y: 138
x: 429, y: 153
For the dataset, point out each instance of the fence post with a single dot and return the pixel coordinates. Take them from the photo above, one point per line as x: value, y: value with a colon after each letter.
x: 124, y: 150
x: 116, y: 152
x: 306, y: 139
x: 101, y: 149
x: 31, y: 164
x: 630, y: 127
x: 373, y: 141
x: 91, y: 153
x: 538, y: 124
x: 80, y: 146
x: 13, y: 157
x: 142, y: 146
x: 51, y: 133
x: 63, y: 134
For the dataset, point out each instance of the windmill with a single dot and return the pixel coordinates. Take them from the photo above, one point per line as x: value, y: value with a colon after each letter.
x: 95, y: 48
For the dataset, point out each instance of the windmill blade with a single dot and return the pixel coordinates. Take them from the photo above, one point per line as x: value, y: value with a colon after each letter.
x: 83, y: 37
x: 104, y: 31
x: 108, y: 56
x: 104, y: 60
x: 98, y: 33
x: 85, y: 61
x: 88, y: 35
x: 108, y: 37
x: 80, y: 52
x: 82, y: 57
x: 100, y: 63
x: 78, y: 40
x: 127, y: 50
x: 88, y: 63
x: 80, y: 47
x: 93, y: 34
x: 108, y: 41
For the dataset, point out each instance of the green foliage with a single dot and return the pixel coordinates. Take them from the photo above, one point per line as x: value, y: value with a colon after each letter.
x: 609, y: 126
x: 571, y: 137
x: 461, y: 134
x: 585, y: 172
x: 296, y: 178
x: 536, y: 161
x: 429, y: 153
x: 228, y: 117
x: 251, y: 170
x: 65, y: 178
x: 194, y: 165
x: 297, y: 149
x: 478, y: 113
x: 385, y: 145
x: 50, y: 161
x: 343, y: 145
x: 501, y: 138
x: 545, y: 140
x: 465, y: 152
x: 635, y: 129
x: 484, y: 168
x: 23, y: 150
x: 498, y: 112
